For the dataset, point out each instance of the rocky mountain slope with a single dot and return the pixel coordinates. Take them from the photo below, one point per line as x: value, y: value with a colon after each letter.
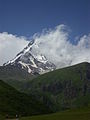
x: 30, y: 61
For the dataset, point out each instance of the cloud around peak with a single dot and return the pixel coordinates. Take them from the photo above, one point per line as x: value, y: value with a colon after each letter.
x: 10, y: 45
x: 56, y: 46
x: 53, y: 43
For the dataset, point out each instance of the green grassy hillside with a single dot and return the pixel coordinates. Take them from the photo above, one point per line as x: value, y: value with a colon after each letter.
x: 64, y: 88
x: 59, y: 90
x: 78, y: 114
x: 13, y: 102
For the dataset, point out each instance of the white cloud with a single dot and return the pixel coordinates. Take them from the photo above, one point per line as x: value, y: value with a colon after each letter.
x: 53, y: 43
x: 56, y: 46
x: 10, y: 45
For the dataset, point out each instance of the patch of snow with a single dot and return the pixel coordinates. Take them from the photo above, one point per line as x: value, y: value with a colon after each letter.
x: 16, y: 58
x: 29, y: 70
x: 26, y: 50
x: 26, y: 66
x: 13, y: 60
x: 33, y: 63
x: 41, y: 58
x: 42, y: 71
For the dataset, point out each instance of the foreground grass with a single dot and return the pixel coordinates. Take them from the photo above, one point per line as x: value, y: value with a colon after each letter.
x: 78, y: 114
x: 2, y: 117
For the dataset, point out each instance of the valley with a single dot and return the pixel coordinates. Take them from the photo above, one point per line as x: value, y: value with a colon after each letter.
x: 76, y: 114
x: 60, y: 90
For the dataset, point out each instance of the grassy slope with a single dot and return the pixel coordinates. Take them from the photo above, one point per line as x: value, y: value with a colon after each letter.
x: 64, y: 87
x: 78, y: 114
x: 2, y: 117
x: 55, y: 88
x: 13, y: 102
x: 73, y: 73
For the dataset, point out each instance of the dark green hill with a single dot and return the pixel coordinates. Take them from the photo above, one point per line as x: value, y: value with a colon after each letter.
x: 60, y: 89
x: 13, y: 102
x: 64, y: 88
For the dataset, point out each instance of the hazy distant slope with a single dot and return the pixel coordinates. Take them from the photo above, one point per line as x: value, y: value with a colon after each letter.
x: 15, y: 76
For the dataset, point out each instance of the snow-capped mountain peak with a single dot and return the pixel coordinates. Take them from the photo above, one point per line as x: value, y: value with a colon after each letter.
x: 31, y: 62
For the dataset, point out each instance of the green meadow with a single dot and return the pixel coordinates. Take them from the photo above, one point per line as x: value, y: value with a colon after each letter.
x: 76, y: 114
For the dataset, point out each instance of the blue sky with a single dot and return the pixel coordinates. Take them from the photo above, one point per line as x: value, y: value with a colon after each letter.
x: 26, y: 17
